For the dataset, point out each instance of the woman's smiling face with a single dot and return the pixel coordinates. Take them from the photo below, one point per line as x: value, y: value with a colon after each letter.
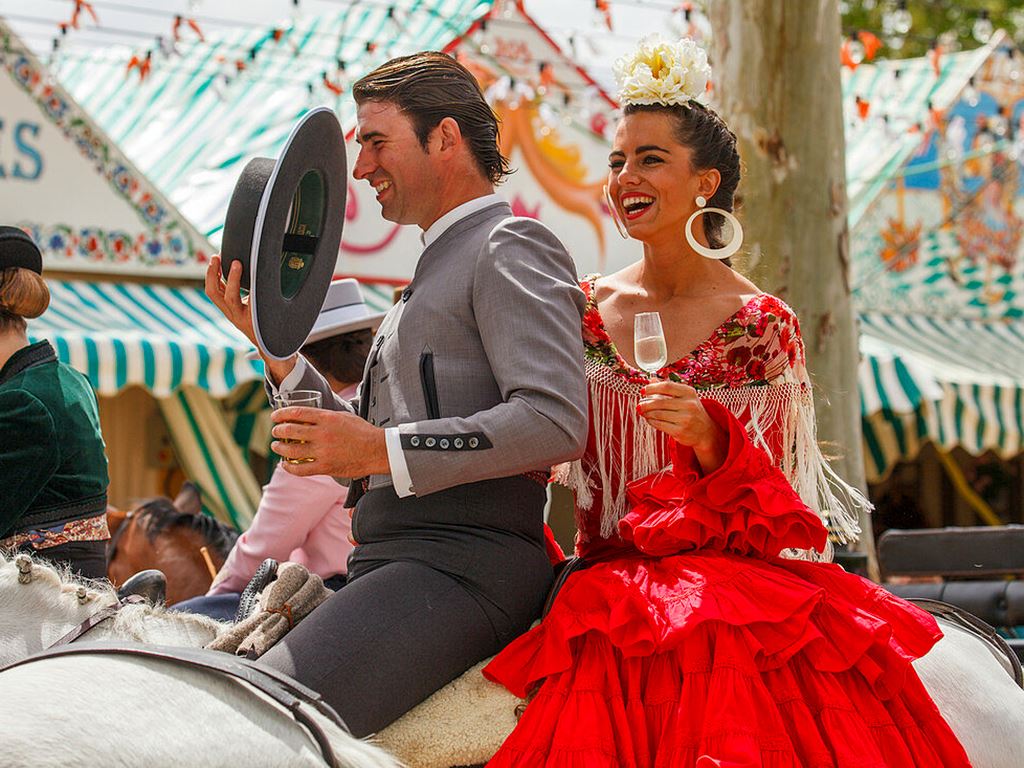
x: 651, y: 180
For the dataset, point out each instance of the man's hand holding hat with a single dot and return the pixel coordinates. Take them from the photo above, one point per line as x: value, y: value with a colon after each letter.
x: 227, y: 296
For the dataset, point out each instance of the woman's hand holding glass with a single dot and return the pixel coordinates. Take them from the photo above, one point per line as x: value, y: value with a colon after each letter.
x: 673, y: 407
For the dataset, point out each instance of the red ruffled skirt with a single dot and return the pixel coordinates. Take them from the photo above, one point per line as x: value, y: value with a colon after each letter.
x: 704, y: 648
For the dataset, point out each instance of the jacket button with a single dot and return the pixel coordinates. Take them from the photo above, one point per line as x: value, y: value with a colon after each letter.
x: 414, y: 441
x: 473, y: 442
x: 406, y: 294
x: 458, y: 442
x: 444, y: 442
x: 431, y: 442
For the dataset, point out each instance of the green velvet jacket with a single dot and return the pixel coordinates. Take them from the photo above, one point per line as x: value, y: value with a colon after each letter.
x: 53, y: 467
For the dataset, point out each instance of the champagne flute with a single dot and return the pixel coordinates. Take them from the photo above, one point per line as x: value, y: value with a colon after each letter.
x: 307, y: 398
x: 649, y: 347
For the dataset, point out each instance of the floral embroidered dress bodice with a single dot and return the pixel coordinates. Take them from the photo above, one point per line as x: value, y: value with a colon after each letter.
x: 753, y: 363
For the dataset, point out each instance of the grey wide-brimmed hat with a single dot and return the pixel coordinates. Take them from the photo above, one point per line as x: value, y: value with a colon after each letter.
x: 344, y: 311
x: 284, y: 225
x: 19, y: 250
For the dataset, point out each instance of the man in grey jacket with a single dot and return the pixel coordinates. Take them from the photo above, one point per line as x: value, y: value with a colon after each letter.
x: 473, y: 389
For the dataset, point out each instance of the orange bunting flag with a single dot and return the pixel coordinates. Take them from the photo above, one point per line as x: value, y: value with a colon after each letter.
x: 871, y: 44
x: 142, y: 64
x: 176, y: 28
x: 863, y: 107
x: 935, y: 57
x: 81, y: 5
x: 333, y: 87
x: 605, y: 9
x: 277, y: 33
x: 547, y: 74
x: 846, y: 55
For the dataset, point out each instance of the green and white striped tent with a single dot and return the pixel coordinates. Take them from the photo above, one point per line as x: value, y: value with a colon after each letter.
x: 176, y: 344
x: 171, y: 148
x: 196, y: 120
x: 941, y: 313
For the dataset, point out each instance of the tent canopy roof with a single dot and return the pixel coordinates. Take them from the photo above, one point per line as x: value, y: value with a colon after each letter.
x: 195, y: 120
x: 158, y: 337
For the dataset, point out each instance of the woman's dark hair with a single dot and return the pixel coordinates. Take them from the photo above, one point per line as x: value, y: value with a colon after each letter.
x: 431, y: 86
x: 712, y: 145
x: 23, y: 294
x: 342, y: 357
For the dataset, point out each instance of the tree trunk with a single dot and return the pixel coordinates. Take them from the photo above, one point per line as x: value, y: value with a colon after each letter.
x: 776, y: 70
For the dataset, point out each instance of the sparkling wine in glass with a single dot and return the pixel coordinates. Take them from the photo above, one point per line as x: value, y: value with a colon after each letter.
x: 649, y: 342
x: 307, y: 398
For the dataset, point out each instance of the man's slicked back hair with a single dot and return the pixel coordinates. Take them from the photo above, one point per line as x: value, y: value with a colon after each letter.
x: 430, y: 86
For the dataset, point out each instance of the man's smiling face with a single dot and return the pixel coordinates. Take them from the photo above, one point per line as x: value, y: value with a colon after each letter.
x: 395, y: 164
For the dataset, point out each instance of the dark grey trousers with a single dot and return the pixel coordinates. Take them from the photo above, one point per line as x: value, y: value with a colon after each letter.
x: 437, y: 584
x: 87, y: 559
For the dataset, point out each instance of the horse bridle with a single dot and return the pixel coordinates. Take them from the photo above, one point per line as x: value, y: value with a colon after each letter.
x: 97, y: 618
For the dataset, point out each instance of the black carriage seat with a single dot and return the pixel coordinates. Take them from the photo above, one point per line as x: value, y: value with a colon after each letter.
x: 979, y: 569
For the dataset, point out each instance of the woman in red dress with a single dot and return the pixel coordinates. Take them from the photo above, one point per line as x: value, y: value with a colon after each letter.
x: 707, y: 629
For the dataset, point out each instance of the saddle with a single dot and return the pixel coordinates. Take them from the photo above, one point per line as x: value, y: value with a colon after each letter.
x: 976, y: 627
x: 296, y: 698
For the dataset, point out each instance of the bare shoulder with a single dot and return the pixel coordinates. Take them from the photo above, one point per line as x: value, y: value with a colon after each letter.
x: 608, y: 288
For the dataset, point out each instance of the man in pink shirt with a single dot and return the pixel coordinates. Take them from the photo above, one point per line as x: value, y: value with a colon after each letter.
x: 303, y: 519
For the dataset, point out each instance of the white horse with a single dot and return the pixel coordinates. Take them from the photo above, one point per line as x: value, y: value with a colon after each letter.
x: 150, y: 713
x: 146, y: 705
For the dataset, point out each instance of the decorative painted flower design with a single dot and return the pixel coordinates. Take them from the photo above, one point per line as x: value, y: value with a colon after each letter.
x: 123, y: 180
x: 176, y: 246
x: 62, y: 242
x: 92, y: 245
x: 660, y: 72
x: 120, y: 246
x: 153, y: 213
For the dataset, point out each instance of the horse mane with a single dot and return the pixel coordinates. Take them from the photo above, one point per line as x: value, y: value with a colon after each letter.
x: 159, y: 514
x: 59, y: 576
x: 131, y: 621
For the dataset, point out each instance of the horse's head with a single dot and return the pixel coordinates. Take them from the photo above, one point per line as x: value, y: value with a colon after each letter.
x: 169, y: 536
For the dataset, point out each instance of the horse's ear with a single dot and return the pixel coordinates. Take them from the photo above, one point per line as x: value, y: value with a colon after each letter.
x: 188, y: 499
x: 115, y: 517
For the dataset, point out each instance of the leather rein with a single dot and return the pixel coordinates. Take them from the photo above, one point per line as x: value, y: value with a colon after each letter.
x: 97, y: 618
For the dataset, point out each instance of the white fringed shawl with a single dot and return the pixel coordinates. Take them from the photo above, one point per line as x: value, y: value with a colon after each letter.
x: 785, y: 404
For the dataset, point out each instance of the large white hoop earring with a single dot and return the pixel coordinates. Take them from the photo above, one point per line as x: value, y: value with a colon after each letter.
x: 726, y: 250
x: 614, y: 213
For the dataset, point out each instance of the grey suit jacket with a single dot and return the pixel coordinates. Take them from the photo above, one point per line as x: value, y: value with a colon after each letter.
x: 480, y: 365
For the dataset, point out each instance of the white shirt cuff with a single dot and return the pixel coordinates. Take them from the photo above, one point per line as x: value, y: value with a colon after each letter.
x: 396, y: 458
x: 291, y: 381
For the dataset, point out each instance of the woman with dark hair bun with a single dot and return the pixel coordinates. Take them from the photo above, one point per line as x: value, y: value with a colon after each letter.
x: 53, y: 469
x: 700, y: 624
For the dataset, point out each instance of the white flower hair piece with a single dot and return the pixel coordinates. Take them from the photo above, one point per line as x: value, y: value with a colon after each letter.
x: 662, y: 72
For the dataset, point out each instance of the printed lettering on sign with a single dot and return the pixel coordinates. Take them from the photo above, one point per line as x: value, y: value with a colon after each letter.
x: 513, y: 50
x: 20, y: 157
